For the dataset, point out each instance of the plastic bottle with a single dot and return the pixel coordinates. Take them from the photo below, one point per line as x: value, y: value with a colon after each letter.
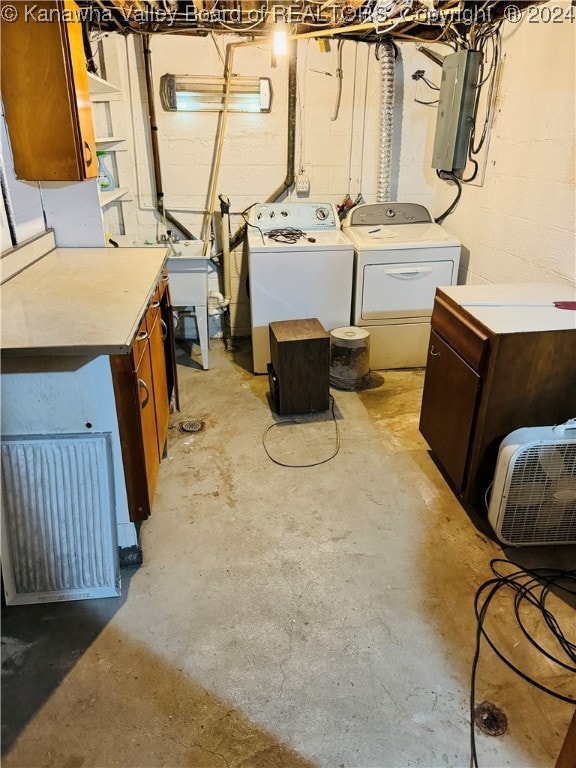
x: 105, y: 179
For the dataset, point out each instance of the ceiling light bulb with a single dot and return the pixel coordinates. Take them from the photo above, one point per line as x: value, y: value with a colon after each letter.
x: 280, y: 39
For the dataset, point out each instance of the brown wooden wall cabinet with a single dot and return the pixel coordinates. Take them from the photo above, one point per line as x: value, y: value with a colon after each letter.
x: 500, y: 358
x: 144, y: 383
x: 45, y: 93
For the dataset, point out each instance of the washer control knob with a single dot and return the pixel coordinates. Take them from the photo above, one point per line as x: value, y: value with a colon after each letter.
x: 272, y: 214
x: 284, y: 213
x: 322, y: 213
x: 390, y: 213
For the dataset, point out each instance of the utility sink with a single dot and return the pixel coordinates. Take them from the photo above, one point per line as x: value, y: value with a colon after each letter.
x: 188, y: 273
x: 188, y: 270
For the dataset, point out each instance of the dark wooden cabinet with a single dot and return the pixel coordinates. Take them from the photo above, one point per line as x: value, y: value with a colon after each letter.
x: 485, y: 378
x: 300, y: 366
x: 143, y: 391
x: 45, y: 92
x: 447, y: 418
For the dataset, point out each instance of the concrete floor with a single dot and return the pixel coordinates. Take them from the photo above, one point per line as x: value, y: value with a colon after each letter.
x: 284, y: 618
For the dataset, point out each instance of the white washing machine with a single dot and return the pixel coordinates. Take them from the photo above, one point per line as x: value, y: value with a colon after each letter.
x: 401, y: 257
x: 300, y: 265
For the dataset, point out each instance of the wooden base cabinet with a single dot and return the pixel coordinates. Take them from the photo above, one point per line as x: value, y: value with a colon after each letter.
x: 449, y: 379
x: 143, y: 397
x: 499, y: 358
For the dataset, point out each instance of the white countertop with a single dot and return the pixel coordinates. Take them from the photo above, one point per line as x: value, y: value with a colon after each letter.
x: 79, y: 301
x: 185, y: 249
x: 516, y: 307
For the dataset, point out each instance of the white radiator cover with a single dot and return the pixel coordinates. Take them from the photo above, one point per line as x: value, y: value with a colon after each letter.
x: 58, y: 522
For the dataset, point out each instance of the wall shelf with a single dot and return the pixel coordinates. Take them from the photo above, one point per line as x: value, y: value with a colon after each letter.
x: 109, y: 140
x: 102, y: 90
x: 109, y: 197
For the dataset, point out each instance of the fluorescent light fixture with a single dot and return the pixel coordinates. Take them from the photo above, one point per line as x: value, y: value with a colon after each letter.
x: 280, y: 38
x: 191, y: 93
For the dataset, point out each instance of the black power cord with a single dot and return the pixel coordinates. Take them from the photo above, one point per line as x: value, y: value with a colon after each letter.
x: 298, y: 421
x: 288, y: 235
x: 531, y: 586
x: 445, y: 176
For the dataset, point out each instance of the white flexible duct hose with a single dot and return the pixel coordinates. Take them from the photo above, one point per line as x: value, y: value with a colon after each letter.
x: 387, y: 78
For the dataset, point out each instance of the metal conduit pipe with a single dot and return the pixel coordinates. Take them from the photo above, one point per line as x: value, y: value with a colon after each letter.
x: 291, y: 152
x: 291, y: 138
x: 291, y: 145
x: 158, y: 189
x: 387, y: 57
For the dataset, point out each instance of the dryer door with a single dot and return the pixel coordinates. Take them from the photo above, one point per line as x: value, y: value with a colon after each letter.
x: 402, y: 290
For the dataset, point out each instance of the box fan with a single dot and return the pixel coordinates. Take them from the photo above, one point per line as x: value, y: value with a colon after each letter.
x: 534, y: 491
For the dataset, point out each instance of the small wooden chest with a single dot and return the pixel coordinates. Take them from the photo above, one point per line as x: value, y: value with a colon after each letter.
x: 299, y: 373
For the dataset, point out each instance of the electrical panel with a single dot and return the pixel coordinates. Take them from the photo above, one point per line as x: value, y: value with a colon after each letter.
x: 455, y: 120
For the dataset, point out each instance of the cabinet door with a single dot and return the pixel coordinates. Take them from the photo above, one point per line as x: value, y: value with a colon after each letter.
x: 448, y: 406
x: 158, y: 362
x: 130, y: 409
x: 167, y: 316
x: 145, y: 381
x: 80, y: 96
x: 45, y: 93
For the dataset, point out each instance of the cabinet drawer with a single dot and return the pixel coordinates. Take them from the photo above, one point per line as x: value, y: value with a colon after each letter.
x: 152, y: 313
x: 139, y: 343
x: 465, y: 338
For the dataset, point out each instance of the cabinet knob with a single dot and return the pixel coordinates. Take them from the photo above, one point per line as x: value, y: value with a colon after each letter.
x: 144, y: 386
x: 434, y: 352
x: 142, y: 335
x: 154, y: 305
x: 165, y: 278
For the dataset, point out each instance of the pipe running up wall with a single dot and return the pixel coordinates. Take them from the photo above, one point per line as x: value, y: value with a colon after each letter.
x: 289, y: 180
x: 285, y: 186
x: 387, y: 55
x: 158, y: 187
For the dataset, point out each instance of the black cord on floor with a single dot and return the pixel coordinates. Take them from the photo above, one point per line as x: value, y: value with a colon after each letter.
x: 294, y: 421
x: 533, y: 586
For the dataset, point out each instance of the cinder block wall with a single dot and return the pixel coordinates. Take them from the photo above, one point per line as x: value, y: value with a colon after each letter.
x: 515, y: 221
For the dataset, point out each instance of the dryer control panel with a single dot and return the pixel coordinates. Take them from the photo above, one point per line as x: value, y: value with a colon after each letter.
x: 304, y: 216
x: 376, y: 214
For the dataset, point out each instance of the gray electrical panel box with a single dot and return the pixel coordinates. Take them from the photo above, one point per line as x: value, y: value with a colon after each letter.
x: 458, y: 91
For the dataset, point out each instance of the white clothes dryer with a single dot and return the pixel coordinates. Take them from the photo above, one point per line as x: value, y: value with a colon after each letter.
x: 299, y: 266
x: 401, y: 257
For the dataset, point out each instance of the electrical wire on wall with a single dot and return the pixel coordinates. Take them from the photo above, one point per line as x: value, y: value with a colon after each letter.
x: 475, y: 147
x: 484, y: 37
x: 352, y: 120
x: 420, y: 76
x: 364, y: 103
x: 339, y: 72
x: 531, y: 590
